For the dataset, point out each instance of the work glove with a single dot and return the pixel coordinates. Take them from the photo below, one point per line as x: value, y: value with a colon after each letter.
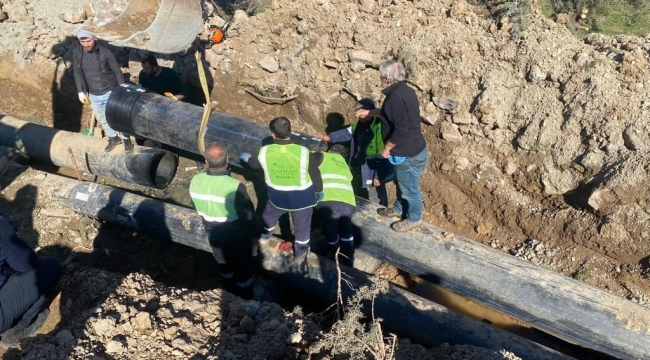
x: 83, y: 98
x: 245, y: 156
x: 320, y: 196
x: 171, y: 96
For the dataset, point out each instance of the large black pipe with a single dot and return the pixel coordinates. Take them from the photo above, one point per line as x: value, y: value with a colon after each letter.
x: 144, y: 166
x: 133, y: 110
x: 411, y: 316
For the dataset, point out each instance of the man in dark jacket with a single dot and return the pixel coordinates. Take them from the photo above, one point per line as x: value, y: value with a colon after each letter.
x: 229, y: 219
x: 96, y: 74
x: 293, y: 184
x: 404, y: 144
x: 25, y: 296
x: 370, y: 169
x: 160, y: 79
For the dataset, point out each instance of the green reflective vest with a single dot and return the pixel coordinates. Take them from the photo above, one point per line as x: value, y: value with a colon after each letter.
x: 286, y: 167
x: 375, y: 146
x: 337, y: 179
x: 214, y: 197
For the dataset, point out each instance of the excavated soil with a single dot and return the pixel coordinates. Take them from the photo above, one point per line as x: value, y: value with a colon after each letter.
x: 545, y: 157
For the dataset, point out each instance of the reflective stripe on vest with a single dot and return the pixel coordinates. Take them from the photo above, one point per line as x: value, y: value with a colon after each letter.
x: 214, y: 197
x: 285, y: 166
x: 337, y: 179
x: 373, y: 150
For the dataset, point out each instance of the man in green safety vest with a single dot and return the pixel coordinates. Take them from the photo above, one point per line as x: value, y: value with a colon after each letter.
x: 371, y: 170
x: 293, y: 184
x: 337, y: 206
x: 229, y: 218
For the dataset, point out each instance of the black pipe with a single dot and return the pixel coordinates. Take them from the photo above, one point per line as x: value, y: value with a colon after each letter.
x: 144, y: 166
x: 421, y: 320
x: 134, y: 110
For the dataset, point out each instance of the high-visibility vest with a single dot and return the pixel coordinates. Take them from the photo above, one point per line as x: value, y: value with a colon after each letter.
x: 214, y: 197
x: 375, y: 146
x: 337, y: 179
x: 286, y: 167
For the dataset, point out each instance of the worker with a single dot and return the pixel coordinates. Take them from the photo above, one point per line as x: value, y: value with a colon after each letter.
x: 161, y: 79
x: 27, y: 293
x: 373, y: 170
x: 404, y: 144
x: 293, y: 183
x: 338, y: 203
x: 96, y: 74
x: 229, y: 219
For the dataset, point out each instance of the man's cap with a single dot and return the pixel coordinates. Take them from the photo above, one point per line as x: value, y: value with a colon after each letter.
x: 83, y: 33
x: 365, y: 103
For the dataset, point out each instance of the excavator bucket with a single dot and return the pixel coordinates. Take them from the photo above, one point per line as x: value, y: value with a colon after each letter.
x: 161, y: 26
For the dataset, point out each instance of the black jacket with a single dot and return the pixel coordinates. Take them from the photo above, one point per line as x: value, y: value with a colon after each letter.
x: 110, y: 69
x: 401, y: 122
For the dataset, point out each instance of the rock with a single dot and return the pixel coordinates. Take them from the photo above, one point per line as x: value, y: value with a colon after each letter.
x: 431, y: 119
x: 557, y: 182
x: 444, y: 103
x: 510, y: 168
x: 64, y: 337
x: 581, y: 59
x: 141, y: 321
x: 562, y: 19
x: 367, y: 6
x: 458, y: 8
x: 3, y: 16
x: 449, y: 132
x: 294, y: 338
x: 364, y: 57
x: 17, y: 12
x: 114, y: 347
x: 536, y: 74
x: 269, y: 64
x: 275, y: 4
x: 103, y: 327
x: 462, y: 163
x: 247, y: 325
x: 239, y: 16
x: 463, y: 118
x: 357, y: 66
x: 634, y: 139
x: 600, y: 199
x: 75, y: 16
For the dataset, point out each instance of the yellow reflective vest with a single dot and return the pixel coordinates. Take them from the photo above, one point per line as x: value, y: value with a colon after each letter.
x: 337, y: 179
x: 214, y: 197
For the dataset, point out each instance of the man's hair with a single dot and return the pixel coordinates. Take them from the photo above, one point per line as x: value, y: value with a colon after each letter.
x: 219, y: 161
x: 365, y: 103
x: 393, y: 71
x: 280, y: 127
x: 339, y: 149
x: 151, y: 60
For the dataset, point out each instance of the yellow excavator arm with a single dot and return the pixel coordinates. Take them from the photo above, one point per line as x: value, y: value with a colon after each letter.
x: 161, y: 26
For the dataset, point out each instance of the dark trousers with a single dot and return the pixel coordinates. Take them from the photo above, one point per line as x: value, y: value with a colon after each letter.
x: 232, y: 249
x: 26, y: 294
x: 336, y: 218
x: 301, y: 225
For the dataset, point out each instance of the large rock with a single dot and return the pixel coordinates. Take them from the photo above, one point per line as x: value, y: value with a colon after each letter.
x: 449, y: 132
x: 75, y: 16
x: 634, y: 139
x: 104, y: 327
x: 365, y: 57
x: 17, y: 12
x: 270, y: 64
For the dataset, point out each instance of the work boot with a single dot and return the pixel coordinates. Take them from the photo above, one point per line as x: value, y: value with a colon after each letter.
x: 112, y: 143
x: 13, y: 336
x: 128, y: 146
x: 405, y: 225
x: 388, y: 212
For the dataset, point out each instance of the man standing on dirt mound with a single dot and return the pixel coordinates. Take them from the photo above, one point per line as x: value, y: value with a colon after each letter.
x: 404, y: 144
x: 293, y: 184
x: 229, y: 219
x: 25, y: 295
x: 96, y: 74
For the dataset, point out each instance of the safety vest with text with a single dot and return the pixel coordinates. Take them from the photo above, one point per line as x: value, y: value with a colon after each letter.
x: 214, y: 197
x: 337, y: 179
x: 286, y: 167
x: 373, y: 150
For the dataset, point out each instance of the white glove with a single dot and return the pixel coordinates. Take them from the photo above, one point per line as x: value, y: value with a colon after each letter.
x: 84, y: 100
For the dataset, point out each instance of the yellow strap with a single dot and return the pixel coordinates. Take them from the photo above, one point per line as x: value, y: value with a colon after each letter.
x: 207, y: 108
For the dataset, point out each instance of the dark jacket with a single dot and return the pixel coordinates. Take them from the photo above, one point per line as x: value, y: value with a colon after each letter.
x: 110, y: 69
x: 373, y: 168
x: 401, y: 122
x: 14, y: 252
